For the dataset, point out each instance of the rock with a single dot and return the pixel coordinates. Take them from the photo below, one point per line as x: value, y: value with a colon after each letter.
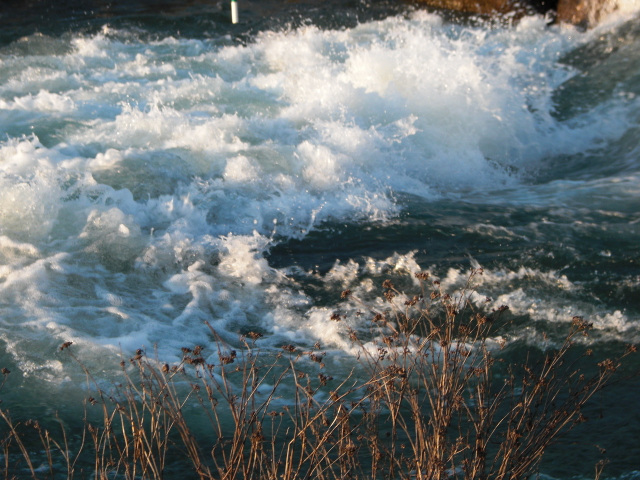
x: 584, y: 13
x: 483, y: 7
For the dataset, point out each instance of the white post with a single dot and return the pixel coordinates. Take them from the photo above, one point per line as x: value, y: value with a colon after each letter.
x: 234, y: 11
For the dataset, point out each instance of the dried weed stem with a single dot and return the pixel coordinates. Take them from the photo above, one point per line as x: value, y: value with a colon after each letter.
x: 429, y: 405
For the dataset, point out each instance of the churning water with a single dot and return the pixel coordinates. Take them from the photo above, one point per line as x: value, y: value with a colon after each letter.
x: 159, y: 170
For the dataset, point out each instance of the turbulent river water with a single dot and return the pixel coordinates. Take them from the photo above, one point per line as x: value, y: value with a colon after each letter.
x: 160, y: 167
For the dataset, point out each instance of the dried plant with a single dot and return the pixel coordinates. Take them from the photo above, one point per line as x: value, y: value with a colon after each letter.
x: 429, y: 398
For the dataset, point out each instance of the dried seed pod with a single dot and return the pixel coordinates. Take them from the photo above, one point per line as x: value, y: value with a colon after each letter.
x: 421, y: 275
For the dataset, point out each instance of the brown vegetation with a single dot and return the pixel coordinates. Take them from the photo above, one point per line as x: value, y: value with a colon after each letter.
x: 431, y: 401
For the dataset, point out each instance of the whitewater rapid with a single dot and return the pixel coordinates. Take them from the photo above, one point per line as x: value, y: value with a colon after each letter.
x: 144, y: 182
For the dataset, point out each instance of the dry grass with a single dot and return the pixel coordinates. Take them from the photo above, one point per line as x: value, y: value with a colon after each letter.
x: 431, y: 402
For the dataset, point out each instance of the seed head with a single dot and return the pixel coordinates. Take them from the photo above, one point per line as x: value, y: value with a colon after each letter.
x: 350, y: 449
x: 582, y: 325
x: 226, y: 359
x: 324, y: 379
x: 421, y: 275
x: 389, y: 340
x: 607, y: 365
x: 136, y: 357
x: 317, y: 357
x: 413, y: 301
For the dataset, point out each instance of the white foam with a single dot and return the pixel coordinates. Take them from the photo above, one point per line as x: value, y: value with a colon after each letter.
x: 241, y: 257
x: 167, y: 169
x: 28, y: 209
x: 240, y: 170
x: 15, y: 249
x: 44, y: 101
